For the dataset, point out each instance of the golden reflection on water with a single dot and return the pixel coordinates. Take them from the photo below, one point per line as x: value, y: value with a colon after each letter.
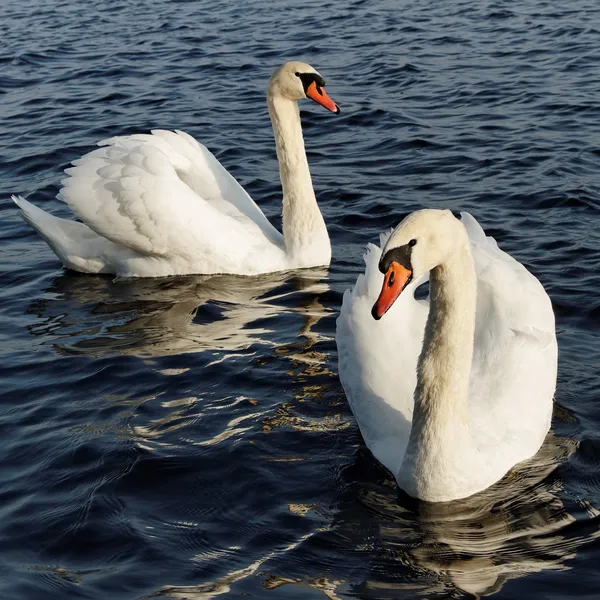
x: 152, y: 318
x: 223, y: 585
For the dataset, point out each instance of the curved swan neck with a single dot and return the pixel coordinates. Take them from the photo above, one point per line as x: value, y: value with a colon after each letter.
x: 440, y: 457
x: 444, y: 365
x: 304, y: 229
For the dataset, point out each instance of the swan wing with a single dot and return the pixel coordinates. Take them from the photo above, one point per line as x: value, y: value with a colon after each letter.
x: 378, y: 360
x: 513, y: 375
x: 165, y: 195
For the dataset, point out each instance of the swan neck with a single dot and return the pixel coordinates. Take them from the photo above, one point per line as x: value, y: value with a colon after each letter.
x: 441, y: 455
x: 303, y: 226
x: 444, y: 366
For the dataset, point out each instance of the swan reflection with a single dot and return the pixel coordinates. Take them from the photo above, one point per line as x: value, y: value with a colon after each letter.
x: 515, y: 528
x: 99, y: 316
x: 520, y: 526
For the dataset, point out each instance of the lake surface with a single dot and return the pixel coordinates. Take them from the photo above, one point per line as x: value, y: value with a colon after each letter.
x: 189, y: 437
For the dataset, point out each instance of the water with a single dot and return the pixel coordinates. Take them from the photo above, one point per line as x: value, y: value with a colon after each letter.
x: 189, y: 437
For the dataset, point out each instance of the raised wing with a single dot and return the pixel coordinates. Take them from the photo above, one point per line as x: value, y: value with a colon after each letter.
x: 515, y: 351
x: 165, y: 194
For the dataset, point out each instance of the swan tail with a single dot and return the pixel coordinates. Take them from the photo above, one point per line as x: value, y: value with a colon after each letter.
x: 74, y: 243
x: 48, y: 226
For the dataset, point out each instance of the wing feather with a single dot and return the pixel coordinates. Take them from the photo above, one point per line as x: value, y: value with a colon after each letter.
x: 164, y: 194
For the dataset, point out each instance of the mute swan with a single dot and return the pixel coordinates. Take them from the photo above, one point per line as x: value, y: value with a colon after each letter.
x: 449, y: 394
x: 162, y: 204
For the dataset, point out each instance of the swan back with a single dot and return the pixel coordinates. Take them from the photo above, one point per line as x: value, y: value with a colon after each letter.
x: 165, y: 197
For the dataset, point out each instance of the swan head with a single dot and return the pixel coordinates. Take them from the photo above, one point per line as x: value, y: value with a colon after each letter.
x: 421, y: 242
x: 297, y: 80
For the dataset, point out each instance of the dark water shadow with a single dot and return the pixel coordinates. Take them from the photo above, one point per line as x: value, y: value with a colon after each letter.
x: 101, y: 316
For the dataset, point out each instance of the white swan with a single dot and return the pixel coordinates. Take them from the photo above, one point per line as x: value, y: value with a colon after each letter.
x: 162, y: 204
x: 452, y: 393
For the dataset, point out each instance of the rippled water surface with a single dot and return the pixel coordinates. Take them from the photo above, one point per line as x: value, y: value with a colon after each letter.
x: 189, y: 437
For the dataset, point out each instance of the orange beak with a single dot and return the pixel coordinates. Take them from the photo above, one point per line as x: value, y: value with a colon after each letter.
x: 319, y: 95
x: 395, y: 280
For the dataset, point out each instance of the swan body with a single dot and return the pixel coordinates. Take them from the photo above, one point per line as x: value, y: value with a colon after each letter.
x: 161, y: 204
x: 449, y: 393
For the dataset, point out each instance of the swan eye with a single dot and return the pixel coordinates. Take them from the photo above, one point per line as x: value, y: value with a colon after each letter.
x: 412, y: 242
x: 391, y: 279
x: 297, y: 74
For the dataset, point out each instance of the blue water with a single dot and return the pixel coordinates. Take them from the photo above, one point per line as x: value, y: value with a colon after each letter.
x: 189, y: 437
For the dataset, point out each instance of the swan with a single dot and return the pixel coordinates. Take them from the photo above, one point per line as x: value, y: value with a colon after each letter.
x: 451, y: 393
x: 161, y: 204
